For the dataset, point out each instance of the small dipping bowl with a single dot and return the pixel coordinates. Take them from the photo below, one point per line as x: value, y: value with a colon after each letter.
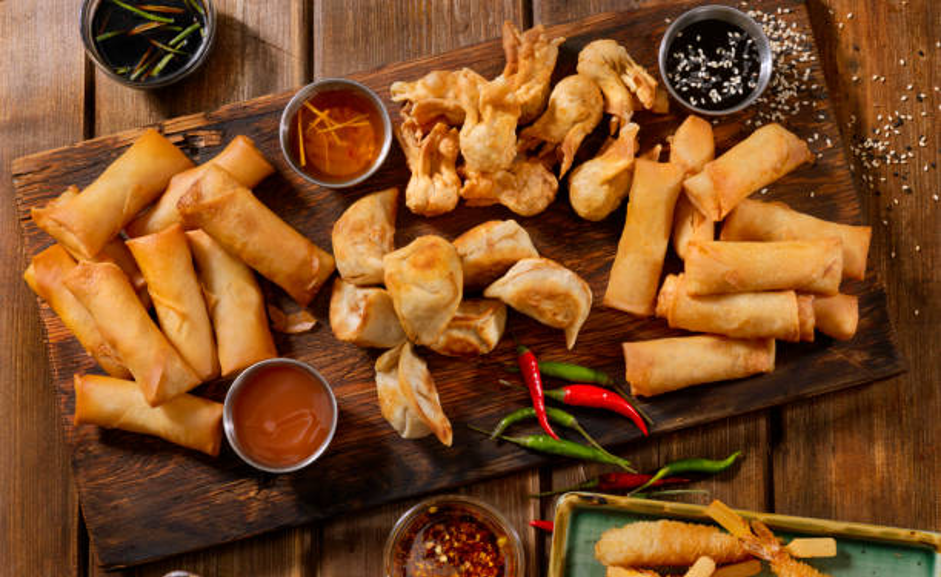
x: 456, y: 514
x: 87, y: 19
x: 250, y: 387
x: 727, y: 15
x: 288, y: 130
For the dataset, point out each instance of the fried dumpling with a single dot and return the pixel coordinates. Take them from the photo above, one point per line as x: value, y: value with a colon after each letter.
x: 526, y: 188
x: 489, y: 249
x: 619, y: 76
x: 475, y: 329
x: 598, y: 186
x: 436, y: 97
x: 575, y: 108
x: 488, y: 136
x: 530, y: 60
x: 426, y: 282
x: 363, y: 235
x: 408, y: 398
x: 546, y: 291
x: 364, y: 316
x: 434, y: 187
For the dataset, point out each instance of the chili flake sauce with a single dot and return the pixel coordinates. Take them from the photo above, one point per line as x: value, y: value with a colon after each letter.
x: 336, y: 135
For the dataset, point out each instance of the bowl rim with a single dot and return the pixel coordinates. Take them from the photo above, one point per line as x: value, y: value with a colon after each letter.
x: 733, y: 16
x: 228, y: 423
x: 86, y: 18
x: 302, y: 95
x: 488, y: 511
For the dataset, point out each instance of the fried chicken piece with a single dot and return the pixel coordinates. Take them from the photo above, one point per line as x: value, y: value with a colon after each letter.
x: 530, y: 60
x: 575, y: 108
x: 527, y: 187
x: 608, y: 63
x: 436, y: 97
x: 599, y: 185
x: 434, y: 187
x: 488, y: 137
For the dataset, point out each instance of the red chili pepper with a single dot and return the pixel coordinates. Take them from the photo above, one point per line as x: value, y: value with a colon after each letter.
x: 598, y: 398
x: 529, y: 368
x: 548, y: 526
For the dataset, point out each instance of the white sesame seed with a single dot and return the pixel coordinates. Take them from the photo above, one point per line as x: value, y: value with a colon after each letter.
x: 917, y: 248
x: 892, y: 254
x: 840, y: 26
x: 901, y: 61
x: 904, y: 97
x: 909, y: 87
x: 917, y: 312
x: 895, y: 201
x: 934, y: 197
x: 812, y: 193
x: 856, y: 79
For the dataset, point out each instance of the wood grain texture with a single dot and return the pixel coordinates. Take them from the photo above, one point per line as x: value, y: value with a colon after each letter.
x: 871, y: 455
x: 229, y: 501
x: 38, y: 504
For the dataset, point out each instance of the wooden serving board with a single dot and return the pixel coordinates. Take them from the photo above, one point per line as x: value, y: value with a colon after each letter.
x: 144, y: 499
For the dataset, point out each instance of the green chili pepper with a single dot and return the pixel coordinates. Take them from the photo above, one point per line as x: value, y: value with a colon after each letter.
x: 182, y: 35
x: 708, y: 466
x: 142, y: 13
x: 570, y: 372
x: 557, y: 416
x: 563, y: 448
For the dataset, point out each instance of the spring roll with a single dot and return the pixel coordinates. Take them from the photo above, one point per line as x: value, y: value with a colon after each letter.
x: 666, y: 543
x: 635, y: 274
x: 45, y: 276
x: 86, y: 222
x: 236, y: 305
x: 765, y: 156
x: 716, y: 267
x: 246, y: 228
x: 164, y: 258
x: 688, y: 225
x: 187, y: 420
x: 806, y: 317
x: 752, y: 315
x: 156, y: 366
x: 240, y: 158
x: 663, y: 365
x: 837, y: 316
x: 756, y: 220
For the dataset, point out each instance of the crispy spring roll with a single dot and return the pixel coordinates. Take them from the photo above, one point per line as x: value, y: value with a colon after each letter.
x: 236, y: 305
x: 837, y: 316
x: 246, y: 228
x: 765, y: 156
x: 635, y: 274
x: 165, y: 260
x: 693, y: 145
x: 688, y: 225
x: 45, y: 276
x: 666, y: 543
x: 756, y: 220
x: 806, y: 317
x: 663, y: 365
x: 86, y: 222
x: 156, y: 366
x: 240, y: 158
x: 716, y: 267
x: 187, y: 420
x: 752, y: 315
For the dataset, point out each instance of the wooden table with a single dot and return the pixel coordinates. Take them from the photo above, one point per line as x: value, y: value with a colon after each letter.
x: 869, y: 454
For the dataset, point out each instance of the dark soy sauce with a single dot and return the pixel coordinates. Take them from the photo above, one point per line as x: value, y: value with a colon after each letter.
x: 713, y: 64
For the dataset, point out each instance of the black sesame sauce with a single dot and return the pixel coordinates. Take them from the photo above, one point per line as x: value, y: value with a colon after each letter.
x: 713, y: 64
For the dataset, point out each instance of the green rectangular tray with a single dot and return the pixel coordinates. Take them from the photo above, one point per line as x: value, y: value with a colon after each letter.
x: 862, y: 550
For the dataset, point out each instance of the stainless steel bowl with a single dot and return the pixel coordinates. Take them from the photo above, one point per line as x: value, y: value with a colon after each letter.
x: 732, y: 16
x: 308, y: 92
x: 229, y: 426
x: 89, y: 7
x: 493, y: 519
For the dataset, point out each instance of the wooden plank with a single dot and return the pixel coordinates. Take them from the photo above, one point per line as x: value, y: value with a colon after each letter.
x: 260, y: 48
x: 126, y: 464
x: 389, y: 32
x: 40, y: 107
x: 871, y: 454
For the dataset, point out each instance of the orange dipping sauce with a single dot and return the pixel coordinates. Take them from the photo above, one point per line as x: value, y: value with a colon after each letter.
x: 282, y: 415
x: 336, y: 135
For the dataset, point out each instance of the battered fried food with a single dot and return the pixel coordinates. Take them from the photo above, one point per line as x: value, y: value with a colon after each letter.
x: 489, y: 249
x: 608, y: 63
x: 408, y: 397
x: 527, y: 187
x: 598, y: 186
x: 436, y: 97
x: 475, y: 329
x: 530, y: 60
x: 575, y: 108
x: 488, y: 136
x: 363, y: 235
x: 666, y: 543
x: 434, y: 187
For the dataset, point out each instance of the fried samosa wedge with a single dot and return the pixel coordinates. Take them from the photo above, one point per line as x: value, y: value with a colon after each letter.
x: 475, y: 329
x: 364, y: 316
x: 597, y: 187
x: 434, y: 187
x: 546, y: 291
x: 575, y: 108
x: 408, y: 398
x: 489, y: 249
x: 426, y: 282
x: 363, y: 235
x: 530, y: 60
x: 488, y: 135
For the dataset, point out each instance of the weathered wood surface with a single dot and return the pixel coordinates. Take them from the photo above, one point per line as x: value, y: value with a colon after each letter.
x: 215, y: 501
